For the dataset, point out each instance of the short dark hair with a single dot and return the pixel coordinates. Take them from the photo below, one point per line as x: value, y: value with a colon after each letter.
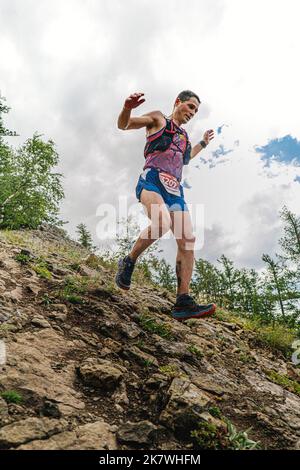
x: 187, y: 94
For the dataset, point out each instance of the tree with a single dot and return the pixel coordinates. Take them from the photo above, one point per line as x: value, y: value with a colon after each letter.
x: 206, y: 282
x: 3, y: 131
x: 85, y: 238
x: 163, y: 274
x: 247, y: 296
x: 290, y: 242
x: 277, y: 281
x: 29, y: 191
x: 230, y: 278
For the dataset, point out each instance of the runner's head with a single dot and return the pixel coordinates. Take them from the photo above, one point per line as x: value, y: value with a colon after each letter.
x: 186, y: 106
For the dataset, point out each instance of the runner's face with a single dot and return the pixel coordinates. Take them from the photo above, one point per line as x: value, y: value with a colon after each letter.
x: 186, y: 110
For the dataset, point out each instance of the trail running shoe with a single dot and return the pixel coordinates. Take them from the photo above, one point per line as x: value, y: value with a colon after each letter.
x: 185, y: 307
x: 123, y: 276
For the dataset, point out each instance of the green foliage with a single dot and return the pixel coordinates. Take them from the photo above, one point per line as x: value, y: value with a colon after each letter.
x: 279, y: 337
x: 196, y: 351
x: 275, y: 336
x: 290, y: 242
x: 29, y: 191
x: 215, y: 412
x: 276, y: 281
x: 213, y: 437
x: 75, y: 266
x: 284, y: 381
x: 11, y: 396
x: 229, y: 281
x: 163, y: 274
x: 22, y: 258
x: 206, y: 281
x: 72, y: 288
x: 239, y: 440
x: 207, y: 436
x: 3, y: 131
x: 147, y: 362
x: 245, y: 358
x: 41, y: 268
x: 170, y: 370
x: 85, y: 237
x: 74, y: 299
x: 140, y: 344
x: 46, y: 299
x: 149, y: 323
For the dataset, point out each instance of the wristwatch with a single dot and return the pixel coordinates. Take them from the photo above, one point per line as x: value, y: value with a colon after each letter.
x: 203, y: 144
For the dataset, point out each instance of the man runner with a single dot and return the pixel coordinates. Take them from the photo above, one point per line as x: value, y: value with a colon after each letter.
x: 159, y: 190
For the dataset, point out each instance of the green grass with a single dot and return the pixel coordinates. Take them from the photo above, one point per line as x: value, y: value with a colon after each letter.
x: 42, y: 271
x: 74, y: 299
x: 24, y: 239
x: 75, y: 287
x: 46, y: 299
x: 74, y: 266
x: 22, y: 258
x: 196, y: 351
x: 16, y: 237
x: 284, y: 381
x: 148, y: 363
x: 215, y: 412
x: 149, y: 324
x: 245, y: 358
x: 278, y: 337
x: 171, y: 371
x: 12, y: 397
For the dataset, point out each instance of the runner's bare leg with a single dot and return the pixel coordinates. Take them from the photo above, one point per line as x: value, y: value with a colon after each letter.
x: 160, y: 222
x: 183, y: 231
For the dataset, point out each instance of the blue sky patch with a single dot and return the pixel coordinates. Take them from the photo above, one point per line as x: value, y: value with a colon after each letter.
x: 219, y: 129
x: 285, y: 150
x: 221, y: 151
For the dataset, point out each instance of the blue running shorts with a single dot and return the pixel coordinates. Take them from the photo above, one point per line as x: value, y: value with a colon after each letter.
x: 150, y: 181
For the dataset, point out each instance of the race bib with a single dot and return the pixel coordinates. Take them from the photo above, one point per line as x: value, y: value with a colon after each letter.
x: 170, y: 183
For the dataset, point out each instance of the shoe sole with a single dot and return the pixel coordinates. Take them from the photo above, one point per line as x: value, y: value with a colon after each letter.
x: 198, y: 315
x: 120, y: 285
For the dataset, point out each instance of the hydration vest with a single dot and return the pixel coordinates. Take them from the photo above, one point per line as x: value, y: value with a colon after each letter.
x: 163, y: 139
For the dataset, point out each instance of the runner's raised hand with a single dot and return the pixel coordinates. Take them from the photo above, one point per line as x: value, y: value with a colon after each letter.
x: 208, y: 136
x: 133, y: 101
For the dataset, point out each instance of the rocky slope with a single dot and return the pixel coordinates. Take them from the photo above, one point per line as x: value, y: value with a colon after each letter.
x: 91, y: 367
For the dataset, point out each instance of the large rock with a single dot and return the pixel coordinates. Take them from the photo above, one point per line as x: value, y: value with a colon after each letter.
x: 29, y: 429
x: 102, y: 375
x: 185, y: 405
x: 141, y: 432
x: 3, y: 410
x: 30, y: 370
x: 94, y: 436
x: 134, y: 354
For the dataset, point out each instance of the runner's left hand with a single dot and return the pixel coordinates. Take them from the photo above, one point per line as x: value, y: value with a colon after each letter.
x: 208, y: 136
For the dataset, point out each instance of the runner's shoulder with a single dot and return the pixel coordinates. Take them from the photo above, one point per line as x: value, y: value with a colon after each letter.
x: 158, y: 119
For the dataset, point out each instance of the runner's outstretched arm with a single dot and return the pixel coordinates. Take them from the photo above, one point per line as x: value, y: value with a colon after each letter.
x: 125, y: 122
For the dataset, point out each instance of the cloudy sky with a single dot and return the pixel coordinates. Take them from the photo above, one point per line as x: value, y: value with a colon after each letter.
x: 66, y: 68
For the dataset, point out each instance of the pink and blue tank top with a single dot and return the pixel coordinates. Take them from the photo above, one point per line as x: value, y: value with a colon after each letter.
x: 168, y: 149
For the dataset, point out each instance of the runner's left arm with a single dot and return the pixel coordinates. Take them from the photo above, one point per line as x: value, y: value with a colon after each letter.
x: 207, y: 137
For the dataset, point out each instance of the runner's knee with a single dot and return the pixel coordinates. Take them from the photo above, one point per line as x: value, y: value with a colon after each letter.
x: 186, y: 244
